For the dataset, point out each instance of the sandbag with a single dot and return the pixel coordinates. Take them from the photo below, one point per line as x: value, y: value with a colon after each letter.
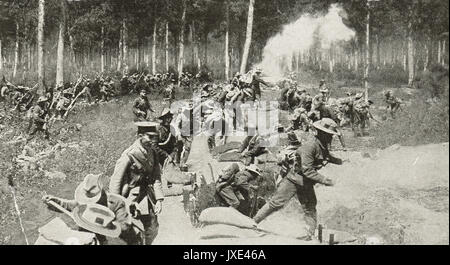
x: 227, y: 231
x: 233, y: 156
x: 57, y: 232
x: 173, y: 175
x: 174, y: 190
x: 226, y: 215
x: 225, y: 148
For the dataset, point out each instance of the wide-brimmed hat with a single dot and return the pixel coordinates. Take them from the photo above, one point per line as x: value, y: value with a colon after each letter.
x: 324, y: 90
x: 326, y: 125
x: 147, y: 127
x: 165, y: 113
x: 253, y: 168
x: 97, y: 218
x: 359, y: 95
x: 293, y: 139
x: 89, y: 190
x: 258, y: 70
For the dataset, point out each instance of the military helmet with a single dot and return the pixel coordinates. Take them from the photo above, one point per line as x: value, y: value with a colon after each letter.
x: 359, y: 95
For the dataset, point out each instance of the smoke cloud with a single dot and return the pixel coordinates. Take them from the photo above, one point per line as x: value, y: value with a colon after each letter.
x: 300, y: 35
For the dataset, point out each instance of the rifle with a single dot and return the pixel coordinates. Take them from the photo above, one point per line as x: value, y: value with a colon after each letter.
x: 71, y: 105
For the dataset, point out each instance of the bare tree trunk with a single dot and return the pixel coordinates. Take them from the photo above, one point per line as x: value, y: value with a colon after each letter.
x: 60, y: 53
x: 167, y: 46
x: 120, y: 51
x: 16, y: 50
x: 102, y: 56
x: 405, y: 56
x: 183, y: 25
x: 248, y: 37
x: 227, y: 40
x: 368, y: 54
x: 40, y: 41
x: 428, y: 46
x: 30, y: 57
x: 154, y: 48
x: 411, y: 59
x: 444, y: 48
x: 439, y: 55
x: 378, y: 56
x: 1, y: 56
x: 125, y: 44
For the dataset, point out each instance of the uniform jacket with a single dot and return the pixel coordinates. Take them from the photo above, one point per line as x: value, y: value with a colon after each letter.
x: 141, y: 105
x: 313, y: 156
x: 137, y: 168
x: 38, y: 114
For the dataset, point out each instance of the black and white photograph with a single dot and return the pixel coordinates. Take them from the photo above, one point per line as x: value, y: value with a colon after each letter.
x: 224, y: 123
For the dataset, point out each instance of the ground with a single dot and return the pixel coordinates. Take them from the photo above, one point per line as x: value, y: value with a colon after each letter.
x: 399, y: 195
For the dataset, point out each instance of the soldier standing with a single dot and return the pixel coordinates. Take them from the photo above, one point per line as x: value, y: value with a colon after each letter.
x: 141, y: 107
x: 184, y: 131
x: 137, y: 177
x: 255, y: 84
x: 167, y: 142
x: 39, y: 118
x: 309, y: 158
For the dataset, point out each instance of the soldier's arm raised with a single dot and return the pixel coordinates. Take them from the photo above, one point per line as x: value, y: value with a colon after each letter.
x: 115, y: 184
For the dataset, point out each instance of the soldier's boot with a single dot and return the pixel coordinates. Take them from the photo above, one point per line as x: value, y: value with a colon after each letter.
x: 265, y: 211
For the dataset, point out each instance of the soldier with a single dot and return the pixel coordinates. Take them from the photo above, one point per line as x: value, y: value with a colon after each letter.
x: 39, y: 118
x: 63, y: 103
x: 252, y: 146
x: 286, y: 158
x: 169, y: 91
x: 233, y: 187
x: 4, y: 93
x: 393, y: 103
x: 167, y: 142
x: 299, y: 120
x: 137, y: 177
x: 255, y: 84
x: 141, y: 107
x: 309, y: 158
x: 184, y: 131
x: 91, y: 191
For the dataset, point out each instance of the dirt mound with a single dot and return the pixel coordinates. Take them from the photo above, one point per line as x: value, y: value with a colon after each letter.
x: 401, y: 196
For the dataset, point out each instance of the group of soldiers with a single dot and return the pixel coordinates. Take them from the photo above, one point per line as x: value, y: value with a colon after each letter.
x: 351, y: 110
x: 129, y: 208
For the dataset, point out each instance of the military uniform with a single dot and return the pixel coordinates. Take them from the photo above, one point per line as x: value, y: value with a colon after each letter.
x: 137, y: 176
x: 256, y: 87
x: 253, y: 147
x: 314, y: 155
x: 167, y: 145
x: 233, y: 187
x: 39, y: 123
x: 141, y: 106
x: 184, y: 127
x: 360, y: 114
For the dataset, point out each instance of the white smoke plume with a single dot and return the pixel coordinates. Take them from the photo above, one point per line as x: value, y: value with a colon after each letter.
x: 299, y: 37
